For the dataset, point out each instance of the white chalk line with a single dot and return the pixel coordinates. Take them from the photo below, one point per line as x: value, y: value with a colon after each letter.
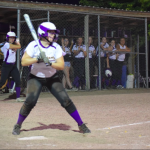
x: 41, y: 145
x: 33, y: 138
x: 119, y: 126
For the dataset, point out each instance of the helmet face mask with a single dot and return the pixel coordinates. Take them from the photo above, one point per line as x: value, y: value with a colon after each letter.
x: 45, y: 27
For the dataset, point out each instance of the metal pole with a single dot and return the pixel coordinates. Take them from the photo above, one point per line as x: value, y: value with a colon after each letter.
x: 48, y: 15
x: 146, y: 51
x: 86, y: 37
x: 99, y: 58
x: 18, y: 52
x: 18, y: 36
x: 138, y: 67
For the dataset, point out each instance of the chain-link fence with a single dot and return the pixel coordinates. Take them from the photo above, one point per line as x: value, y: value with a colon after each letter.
x: 103, y: 52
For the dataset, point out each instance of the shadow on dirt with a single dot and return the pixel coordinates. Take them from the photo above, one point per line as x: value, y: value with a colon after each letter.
x: 63, y: 127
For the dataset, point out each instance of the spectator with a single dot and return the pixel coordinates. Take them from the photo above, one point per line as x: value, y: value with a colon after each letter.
x: 103, y: 47
x: 80, y: 53
x: 121, y: 47
x: 66, y: 78
x: 92, y: 52
x: 112, y: 63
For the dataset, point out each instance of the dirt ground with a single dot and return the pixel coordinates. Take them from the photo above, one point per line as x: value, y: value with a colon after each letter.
x: 118, y: 119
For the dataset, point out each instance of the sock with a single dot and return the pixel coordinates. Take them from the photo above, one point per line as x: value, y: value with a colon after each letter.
x: 114, y: 82
x: 7, y: 85
x: 21, y: 119
x: 12, y: 83
x: 76, y: 82
x: 18, y: 92
x: 119, y: 82
x: 107, y: 82
x: 75, y: 115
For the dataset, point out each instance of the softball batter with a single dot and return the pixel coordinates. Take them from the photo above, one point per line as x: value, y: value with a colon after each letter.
x: 41, y: 74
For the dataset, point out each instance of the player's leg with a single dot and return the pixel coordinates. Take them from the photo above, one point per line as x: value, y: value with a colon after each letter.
x: 6, y: 68
x: 56, y: 88
x: 64, y: 80
x: 16, y: 76
x: 34, y: 88
x: 66, y: 71
x: 76, y: 81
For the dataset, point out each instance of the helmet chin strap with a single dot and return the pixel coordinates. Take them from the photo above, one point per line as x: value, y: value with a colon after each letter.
x: 50, y: 43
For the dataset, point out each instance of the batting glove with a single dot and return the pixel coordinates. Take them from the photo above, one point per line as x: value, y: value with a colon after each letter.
x: 45, y: 59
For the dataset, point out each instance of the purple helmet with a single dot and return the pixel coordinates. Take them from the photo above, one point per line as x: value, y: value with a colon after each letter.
x: 46, y: 26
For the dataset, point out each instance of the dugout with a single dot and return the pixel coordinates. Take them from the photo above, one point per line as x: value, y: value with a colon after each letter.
x: 74, y: 21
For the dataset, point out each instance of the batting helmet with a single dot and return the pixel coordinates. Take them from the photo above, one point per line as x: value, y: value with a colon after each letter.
x: 10, y: 34
x: 108, y: 73
x: 46, y: 26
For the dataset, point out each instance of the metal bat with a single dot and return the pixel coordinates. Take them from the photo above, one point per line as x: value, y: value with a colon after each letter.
x: 32, y: 30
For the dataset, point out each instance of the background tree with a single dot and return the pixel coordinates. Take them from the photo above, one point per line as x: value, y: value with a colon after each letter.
x: 141, y: 5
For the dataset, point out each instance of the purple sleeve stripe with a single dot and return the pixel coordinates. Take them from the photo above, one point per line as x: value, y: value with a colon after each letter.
x: 7, y: 56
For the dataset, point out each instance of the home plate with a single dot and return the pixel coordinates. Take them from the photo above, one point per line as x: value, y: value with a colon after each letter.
x: 33, y: 138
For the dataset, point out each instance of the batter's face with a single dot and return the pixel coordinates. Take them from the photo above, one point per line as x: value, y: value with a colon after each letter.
x: 51, y: 35
x: 11, y: 39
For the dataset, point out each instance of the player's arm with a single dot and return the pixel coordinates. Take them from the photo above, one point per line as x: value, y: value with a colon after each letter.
x: 27, y: 60
x: 94, y: 52
x: 76, y: 52
x: 62, y: 43
x: 110, y: 48
x: 71, y: 46
x: 59, y: 64
x: 102, y: 47
x: 118, y: 48
x: 15, y: 46
x: 84, y: 52
x: 127, y: 49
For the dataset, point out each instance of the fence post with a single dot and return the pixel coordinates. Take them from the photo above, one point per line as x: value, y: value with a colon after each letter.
x: 48, y: 15
x: 18, y: 36
x: 146, y: 52
x: 138, y: 73
x: 99, y: 58
x: 86, y: 39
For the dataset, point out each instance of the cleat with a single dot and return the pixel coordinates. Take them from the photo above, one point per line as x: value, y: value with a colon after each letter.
x: 1, y: 92
x: 73, y: 89
x: 84, y: 129
x: 16, y: 130
x: 19, y: 99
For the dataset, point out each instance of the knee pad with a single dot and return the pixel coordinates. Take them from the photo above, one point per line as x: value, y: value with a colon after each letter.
x: 69, y: 106
x: 66, y: 102
x: 28, y: 105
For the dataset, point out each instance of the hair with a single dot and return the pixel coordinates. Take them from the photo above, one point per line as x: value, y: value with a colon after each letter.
x: 122, y: 38
x: 113, y: 40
